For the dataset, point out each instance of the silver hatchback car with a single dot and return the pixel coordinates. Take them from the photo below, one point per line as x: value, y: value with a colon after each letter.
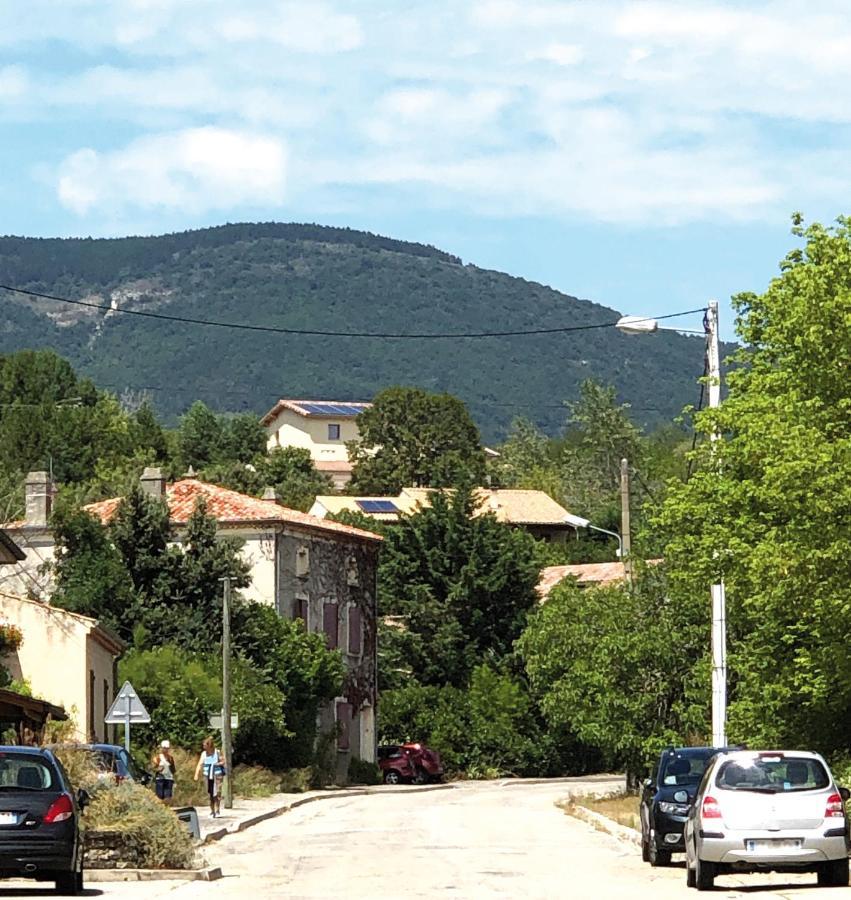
x: 775, y: 810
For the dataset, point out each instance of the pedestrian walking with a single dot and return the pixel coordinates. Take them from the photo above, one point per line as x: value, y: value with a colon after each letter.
x: 165, y: 771
x: 212, y: 764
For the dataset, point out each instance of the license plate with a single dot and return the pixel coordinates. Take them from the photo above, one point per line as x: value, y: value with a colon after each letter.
x: 8, y: 818
x: 773, y: 845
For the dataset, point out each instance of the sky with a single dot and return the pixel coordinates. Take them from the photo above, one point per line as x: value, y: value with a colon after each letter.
x: 644, y: 155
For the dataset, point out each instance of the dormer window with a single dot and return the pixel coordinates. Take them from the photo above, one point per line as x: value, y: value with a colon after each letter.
x: 333, y: 431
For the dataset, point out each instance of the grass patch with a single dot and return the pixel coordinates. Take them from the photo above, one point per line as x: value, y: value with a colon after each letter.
x: 622, y: 808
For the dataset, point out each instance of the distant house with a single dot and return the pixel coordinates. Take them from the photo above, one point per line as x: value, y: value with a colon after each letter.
x: 534, y: 511
x: 323, y: 573
x: 320, y: 426
x: 586, y: 575
x: 67, y: 658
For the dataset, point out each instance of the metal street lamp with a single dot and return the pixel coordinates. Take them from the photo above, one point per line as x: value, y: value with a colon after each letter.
x: 579, y: 522
x: 639, y: 325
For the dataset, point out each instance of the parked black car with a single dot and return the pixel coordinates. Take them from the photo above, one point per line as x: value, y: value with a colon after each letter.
x: 665, y: 799
x: 111, y: 761
x: 39, y: 819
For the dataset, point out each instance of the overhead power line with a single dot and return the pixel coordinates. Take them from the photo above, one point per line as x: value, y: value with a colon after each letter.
x: 315, y: 332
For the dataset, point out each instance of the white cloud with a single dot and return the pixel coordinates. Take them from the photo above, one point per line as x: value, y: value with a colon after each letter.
x: 616, y: 110
x: 193, y: 170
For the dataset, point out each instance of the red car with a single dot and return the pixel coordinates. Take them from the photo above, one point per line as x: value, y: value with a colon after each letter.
x: 412, y: 762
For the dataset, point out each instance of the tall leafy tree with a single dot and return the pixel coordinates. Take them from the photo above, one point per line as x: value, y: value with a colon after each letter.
x: 458, y: 588
x: 768, y: 505
x: 620, y: 668
x: 410, y: 437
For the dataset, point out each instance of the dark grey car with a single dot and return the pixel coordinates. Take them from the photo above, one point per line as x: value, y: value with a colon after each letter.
x: 39, y: 820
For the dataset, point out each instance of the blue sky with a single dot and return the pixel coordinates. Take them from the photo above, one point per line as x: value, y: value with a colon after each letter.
x: 646, y: 155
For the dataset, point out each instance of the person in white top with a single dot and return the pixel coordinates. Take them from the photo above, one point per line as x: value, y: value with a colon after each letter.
x: 165, y: 771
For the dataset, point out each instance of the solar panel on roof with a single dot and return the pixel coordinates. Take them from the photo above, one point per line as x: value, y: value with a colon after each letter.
x: 330, y: 409
x: 377, y: 506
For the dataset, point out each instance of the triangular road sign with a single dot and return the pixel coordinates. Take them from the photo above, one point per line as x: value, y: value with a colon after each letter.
x: 127, y: 707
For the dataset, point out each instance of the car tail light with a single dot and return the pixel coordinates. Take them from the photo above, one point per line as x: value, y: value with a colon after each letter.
x: 835, y: 807
x: 710, y: 808
x: 60, y: 810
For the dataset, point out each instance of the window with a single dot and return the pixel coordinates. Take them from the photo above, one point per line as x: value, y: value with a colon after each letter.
x: 92, y: 733
x: 301, y: 610
x: 355, y: 631
x: 302, y: 562
x: 333, y: 431
x: 105, y: 705
x: 27, y: 772
x: 330, y: 625
x: 344, y: 721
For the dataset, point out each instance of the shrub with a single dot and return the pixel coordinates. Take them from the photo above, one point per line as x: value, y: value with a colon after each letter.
x: 363, y: 772
x: 159, y: 839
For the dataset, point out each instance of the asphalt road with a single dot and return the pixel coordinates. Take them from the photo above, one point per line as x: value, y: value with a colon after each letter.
x: 478, y: 840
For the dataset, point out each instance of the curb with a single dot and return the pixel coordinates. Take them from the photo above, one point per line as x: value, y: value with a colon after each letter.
x: 566, y: 779
x: 102, y: 875
x: 602, y: 823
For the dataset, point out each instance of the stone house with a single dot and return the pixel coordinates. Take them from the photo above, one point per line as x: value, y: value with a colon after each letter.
x: 320, y: 426
x: 321, y: 572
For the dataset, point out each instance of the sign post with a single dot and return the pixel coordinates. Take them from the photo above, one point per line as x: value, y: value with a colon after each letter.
x: 127, y: 708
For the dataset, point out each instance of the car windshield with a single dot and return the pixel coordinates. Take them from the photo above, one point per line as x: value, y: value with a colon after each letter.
x: 25, y: 772
x: 773, y: 774
x: 684, y: 767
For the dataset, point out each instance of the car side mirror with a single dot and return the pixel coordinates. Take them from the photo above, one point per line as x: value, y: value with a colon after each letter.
x: 648, y: 782
x: 845, y: 794
x: 83, y: 798
x: 145, y: 778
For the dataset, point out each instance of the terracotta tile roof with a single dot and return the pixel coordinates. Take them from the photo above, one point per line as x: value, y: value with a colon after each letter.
x: 585, y: 574
x: 333, y: 465
x: 323, y: 409
x: 231, y: 508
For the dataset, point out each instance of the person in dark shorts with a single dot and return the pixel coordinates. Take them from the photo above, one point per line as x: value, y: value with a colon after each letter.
x: 212, y: 764
x: 165, y: 771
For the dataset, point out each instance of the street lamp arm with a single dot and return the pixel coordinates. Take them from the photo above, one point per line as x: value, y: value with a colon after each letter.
x: 613, y: 534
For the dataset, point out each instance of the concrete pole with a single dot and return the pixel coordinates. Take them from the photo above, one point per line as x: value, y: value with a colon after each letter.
x: 227, y: 795
x: 626, y: 542
x: 719, y: 602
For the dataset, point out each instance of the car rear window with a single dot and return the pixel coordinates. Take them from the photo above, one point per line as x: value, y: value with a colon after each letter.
x: 20, y: 771
x: 684, y: 768
x: 773, y: 774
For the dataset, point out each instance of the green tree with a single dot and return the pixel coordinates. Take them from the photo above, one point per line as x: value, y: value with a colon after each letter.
x: 290, y: 471
x: 148, y: 434
x: 410, y: 437
x: 200, y: 436
x: 621, y: 669
x: 767, y: 507
x: 461, y: 587
x: 599, y: 435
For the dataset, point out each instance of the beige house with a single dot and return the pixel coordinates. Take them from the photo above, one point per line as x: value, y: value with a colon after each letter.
x: 68, y: 659
x: 534, y: 511
x: 320, y: 426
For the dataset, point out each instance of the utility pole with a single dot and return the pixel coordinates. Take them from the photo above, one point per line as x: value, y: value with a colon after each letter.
x: 625, y: 528
x: 719, y: 600
x: 226, y: 732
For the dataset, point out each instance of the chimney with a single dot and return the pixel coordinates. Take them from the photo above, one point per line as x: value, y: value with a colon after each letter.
x: 153, y: 482
x: 39, y: 498
x: 271, y: 495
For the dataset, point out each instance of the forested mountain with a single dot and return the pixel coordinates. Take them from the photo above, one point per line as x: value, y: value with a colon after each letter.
x: 331, y: 279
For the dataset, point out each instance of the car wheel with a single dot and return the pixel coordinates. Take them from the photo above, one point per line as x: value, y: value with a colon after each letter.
x: 833, y: 873
x: 68, y: 883
x: 645, y: 849
x: 420, y: 777
x: 657, y: 857
x: 704, y: 874
x: 391, y: 776
x: 690, y: 879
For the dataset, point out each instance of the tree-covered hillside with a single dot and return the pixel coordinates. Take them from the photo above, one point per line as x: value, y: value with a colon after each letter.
x: 313, y: 277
